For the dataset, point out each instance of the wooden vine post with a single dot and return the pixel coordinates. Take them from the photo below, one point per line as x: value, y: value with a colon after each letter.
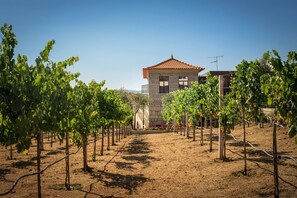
x: 275, y: 165
x: 221, y: 133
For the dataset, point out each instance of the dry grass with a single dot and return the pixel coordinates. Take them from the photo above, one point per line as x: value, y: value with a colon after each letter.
x: 158, y: 164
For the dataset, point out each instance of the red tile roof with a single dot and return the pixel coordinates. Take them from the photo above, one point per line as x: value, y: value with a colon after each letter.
x: 171, y: 64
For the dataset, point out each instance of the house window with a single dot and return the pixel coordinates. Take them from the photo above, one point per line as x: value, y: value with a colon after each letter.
x: 183, y: 82
x: 227, y: 81
x: 164, y: 84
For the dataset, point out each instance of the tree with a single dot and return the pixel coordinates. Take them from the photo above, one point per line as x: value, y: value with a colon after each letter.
x: 197, y: 101
x: 167, y: 113
x: 242, y: 96
x: 39, y: 98
x: 61, y: 108
x: 83, y: 115
x: 180, y: 105
x: 36, y: 96
x: 256, y: 98
x: 280, y: 88
x: 40, y: 108
x: 15, y: 85
x: 178, y: 110
x: 50, y: 110
x: 246, y: 87
x: 228, y: 117
x: 109, y: 105
x: 97, y: 107
x: 211, y: 106
x: 193, y: 101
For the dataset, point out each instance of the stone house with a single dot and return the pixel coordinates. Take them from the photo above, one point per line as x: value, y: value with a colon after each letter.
x: 225, y: 79
x: 167, y: 76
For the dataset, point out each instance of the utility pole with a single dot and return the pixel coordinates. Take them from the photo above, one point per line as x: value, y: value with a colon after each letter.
x: 216, y: 60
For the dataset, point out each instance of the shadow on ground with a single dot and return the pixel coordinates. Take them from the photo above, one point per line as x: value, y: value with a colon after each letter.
x: 74, y: 186
x: 145, y: 132
x: 3, y: 172
x: 216, y: 137
x: 137, y: 153
x: 115, y: 180
x: 144, y: 159
x: 124, y: 165
x: 54, y: 152
x: 128, y: 182
x: 138, y: 146
x: 23, y: 164
x: 240, y: 144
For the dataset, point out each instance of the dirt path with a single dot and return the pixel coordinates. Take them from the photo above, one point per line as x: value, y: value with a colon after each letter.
x: 158, y: 164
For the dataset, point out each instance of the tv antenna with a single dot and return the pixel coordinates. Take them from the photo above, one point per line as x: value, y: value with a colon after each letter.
x: 216, y: 61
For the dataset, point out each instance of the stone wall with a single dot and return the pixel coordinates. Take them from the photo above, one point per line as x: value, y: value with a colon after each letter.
x: 155, y: 98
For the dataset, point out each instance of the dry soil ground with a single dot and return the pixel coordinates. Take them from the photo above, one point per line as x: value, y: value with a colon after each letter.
x: 159, y: 164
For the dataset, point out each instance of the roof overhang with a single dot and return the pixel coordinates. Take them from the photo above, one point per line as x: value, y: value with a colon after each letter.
x: 171, y: 64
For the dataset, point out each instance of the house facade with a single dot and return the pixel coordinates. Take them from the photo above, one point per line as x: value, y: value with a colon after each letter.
x: 225, y: 81
x: 167, y: 76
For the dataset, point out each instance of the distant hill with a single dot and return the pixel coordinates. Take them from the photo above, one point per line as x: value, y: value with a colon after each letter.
x: 133, y: 91
x: 130, y: 91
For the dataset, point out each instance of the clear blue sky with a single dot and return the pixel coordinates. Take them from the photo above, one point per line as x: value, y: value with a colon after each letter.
x: 116, y: 39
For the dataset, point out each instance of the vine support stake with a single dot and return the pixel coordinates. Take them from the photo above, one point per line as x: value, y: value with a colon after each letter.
x: 275, y: 166
x: 221, y: 133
